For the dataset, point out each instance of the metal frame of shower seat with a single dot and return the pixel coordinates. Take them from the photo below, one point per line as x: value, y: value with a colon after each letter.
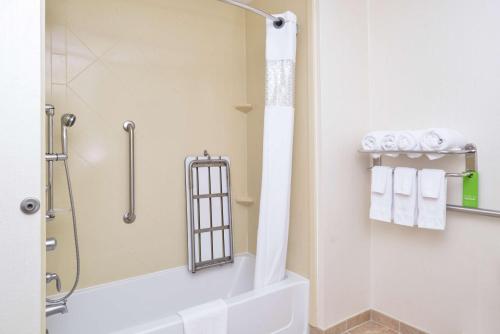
x: 194, y: 166
x: 470, y: 153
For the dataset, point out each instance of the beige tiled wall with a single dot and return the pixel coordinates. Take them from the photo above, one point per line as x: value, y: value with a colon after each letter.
x: 176, y: 68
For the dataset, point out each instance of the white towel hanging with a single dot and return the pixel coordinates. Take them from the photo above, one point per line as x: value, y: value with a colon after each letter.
x: 381, y: 194
x: 432, y: 199
x: 405, y: 196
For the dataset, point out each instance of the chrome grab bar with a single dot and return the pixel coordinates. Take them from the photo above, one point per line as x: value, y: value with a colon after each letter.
x: 129, y: 217
x: 478, y: 211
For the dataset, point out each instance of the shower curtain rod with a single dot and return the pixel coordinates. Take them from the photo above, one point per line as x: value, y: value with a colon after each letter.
x: 278, y: 21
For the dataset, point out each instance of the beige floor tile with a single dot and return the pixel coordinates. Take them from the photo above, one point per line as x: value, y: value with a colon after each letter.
x: 358, y: 319
x: 385, y: 320
x: 338, y: 329
x: 407, y: 329
x: 314, y: 330
x: 371, y: 328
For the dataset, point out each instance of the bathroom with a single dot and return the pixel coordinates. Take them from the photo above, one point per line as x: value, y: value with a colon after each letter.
x: 191, y: 76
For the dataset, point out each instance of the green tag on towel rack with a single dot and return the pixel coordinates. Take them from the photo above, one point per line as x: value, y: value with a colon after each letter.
x: 470, y: 194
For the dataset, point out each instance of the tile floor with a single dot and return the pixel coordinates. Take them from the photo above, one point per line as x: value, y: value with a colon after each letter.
x: 370, y: 327
x: 369, y: 322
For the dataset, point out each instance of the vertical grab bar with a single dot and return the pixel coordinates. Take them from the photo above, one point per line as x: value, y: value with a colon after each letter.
x: 129, y: 217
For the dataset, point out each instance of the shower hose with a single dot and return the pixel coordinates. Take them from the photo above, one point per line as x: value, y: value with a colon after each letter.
x: 64, y: 298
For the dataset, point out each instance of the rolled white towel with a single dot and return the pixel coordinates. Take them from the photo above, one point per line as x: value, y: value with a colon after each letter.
x: 371, y: 142
x: 410, y: 141
x: 441, y: 139
x: 389, y: 143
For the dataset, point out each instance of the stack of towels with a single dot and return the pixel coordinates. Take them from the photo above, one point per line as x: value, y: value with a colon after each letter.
x: 409, y: 197
x: 437, y: 139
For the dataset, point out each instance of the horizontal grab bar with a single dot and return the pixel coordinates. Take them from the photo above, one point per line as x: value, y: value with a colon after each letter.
x: 464, y: 174
x: 478, y: 211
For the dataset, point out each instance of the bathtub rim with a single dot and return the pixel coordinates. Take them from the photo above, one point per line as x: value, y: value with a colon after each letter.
x: 291, y: 277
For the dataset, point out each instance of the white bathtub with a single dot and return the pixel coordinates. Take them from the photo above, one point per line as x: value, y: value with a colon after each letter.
x: 149, y: 304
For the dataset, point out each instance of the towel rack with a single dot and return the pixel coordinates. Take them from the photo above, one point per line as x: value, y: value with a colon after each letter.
x: 470, y: 154
x: 469, y: 151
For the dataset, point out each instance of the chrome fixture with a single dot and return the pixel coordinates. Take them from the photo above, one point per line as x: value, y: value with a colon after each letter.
x: 30, y: 206
x: 50, y: 244
x: 129, y: 217
x: 482, y: 212
x: 54, y: 309
x: 58, y: 305
x: 49, y: 277
x: 67, y: 121
x: 278, y: 22
x: 470, y: 154
x: 55, y: 157
x: 50, y: 112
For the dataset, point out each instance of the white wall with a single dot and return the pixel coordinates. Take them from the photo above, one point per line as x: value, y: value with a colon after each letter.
x: 437, y: 63
x: 21, y: 93
x: 343, y: 233
x: 390, y: 64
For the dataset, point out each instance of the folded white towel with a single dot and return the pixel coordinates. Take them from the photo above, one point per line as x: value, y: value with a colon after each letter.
x: 432, y: 194
x: 209, y: 318
x: 381, y: 194
x: 405, y: 196
x: 440, y: 139
x: 371, y: 142
x: 410, y: 141
x: 389, y: 143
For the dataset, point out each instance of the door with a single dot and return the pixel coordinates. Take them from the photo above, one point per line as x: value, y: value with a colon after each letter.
x: 21, y: 100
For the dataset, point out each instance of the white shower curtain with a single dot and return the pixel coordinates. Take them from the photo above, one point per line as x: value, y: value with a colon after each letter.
x: 274, y: 212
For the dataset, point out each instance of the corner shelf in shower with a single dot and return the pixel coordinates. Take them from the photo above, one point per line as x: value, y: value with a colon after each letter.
x: 470, y: 154
x: 244, y: 108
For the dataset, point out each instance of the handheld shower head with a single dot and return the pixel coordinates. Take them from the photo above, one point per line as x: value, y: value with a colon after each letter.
x: 67, y: 121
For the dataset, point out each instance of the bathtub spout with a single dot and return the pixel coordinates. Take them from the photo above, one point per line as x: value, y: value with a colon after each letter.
x: 55, y: 309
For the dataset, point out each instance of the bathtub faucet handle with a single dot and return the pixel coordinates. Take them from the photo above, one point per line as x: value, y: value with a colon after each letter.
x: 49, y: 277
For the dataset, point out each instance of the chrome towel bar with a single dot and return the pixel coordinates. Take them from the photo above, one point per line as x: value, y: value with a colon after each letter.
x: 478, y: 211
x: 463, y: 174
x: 470, y: 154
x: 129, y: 217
